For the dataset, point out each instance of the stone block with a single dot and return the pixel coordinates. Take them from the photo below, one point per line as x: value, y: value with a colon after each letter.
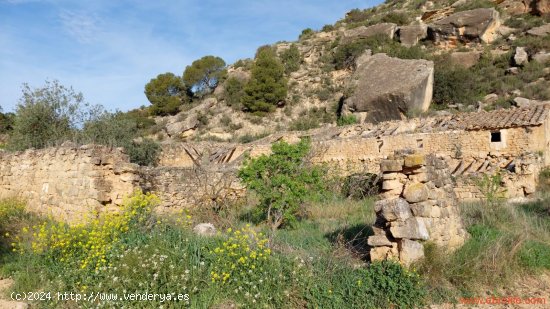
x: 392, y: 185
x: 422, y: 209
x: 392, y: 210
x: 410, y: 251
x: 391, y: 165
x: 379, y: 241
x: 412, y: 228
x: 414, y: 160
x: 416, y: 192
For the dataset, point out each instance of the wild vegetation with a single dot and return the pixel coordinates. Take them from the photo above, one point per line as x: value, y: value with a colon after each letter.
x: 320, y: 260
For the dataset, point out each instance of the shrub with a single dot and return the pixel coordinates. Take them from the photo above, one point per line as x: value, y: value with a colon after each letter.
x: 345, y: 120
x: 357, y: 15
x: 397, y: 18
x: 267, y: 86
x: 6, y: 122
x: 240, y: 258
x: 306, y: 34
x: 291, y: 59
x: 283, y: 181
x: 328, y: 28
x: 234, y: 90
x: 144, y: 152
x: 360, y: 186
x: 491, y: 187
x: 88, y: 245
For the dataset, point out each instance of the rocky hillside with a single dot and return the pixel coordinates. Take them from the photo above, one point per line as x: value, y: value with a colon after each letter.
x: 400, y: 59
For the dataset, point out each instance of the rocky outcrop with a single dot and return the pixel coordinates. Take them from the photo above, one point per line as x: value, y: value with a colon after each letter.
x: 387, y: 88
x: 412, y: 34
x: 362, y: 32
x: 419, y: 205
x: 519, y: 7
x: 543, y: 30
x: 474, y: 25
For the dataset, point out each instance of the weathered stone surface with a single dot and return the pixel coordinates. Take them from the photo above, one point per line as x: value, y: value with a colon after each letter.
x: 474, y: 25
x: 386, y: 88
x: 378, y: 241
x: 392, y: 210
x: 412, y: 34
x: 543, y: 30
x: 422, y: 209
x: 465, y: 59
x: 362, y: 32
x: 523, y: 102
x: 412, y: 228
x: 391, y: 165
x: 410, y: 251
x: 521, y: 57
x: 205, y: 229
x: 414, y: 160
x: 542, y: 57
x: 392, y: 185
x: 384, y: 252
x: 416, y: 192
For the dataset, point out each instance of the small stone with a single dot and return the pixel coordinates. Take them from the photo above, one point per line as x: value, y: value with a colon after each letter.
x: 422, y: 209
x: 205, y: 229
x: 521, y: 57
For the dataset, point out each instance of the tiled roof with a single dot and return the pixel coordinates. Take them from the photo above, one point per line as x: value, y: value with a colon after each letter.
x: 499, y: 119
x: 493, y: 120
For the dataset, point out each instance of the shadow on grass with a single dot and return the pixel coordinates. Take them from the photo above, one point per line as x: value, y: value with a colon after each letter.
x: 354, y: 238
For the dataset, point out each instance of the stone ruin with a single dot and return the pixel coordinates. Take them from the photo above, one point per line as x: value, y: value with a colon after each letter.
x: 418, y: 205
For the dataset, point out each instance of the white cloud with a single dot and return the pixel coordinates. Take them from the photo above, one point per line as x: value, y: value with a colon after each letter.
x: 83, y: 27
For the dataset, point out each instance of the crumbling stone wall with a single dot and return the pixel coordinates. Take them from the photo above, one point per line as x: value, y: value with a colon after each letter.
x: 188, y: 188
x: 418, y: 205
x: 68, y: 182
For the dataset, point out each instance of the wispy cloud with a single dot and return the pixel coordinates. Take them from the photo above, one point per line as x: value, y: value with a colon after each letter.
x: 110, y: 49
x: 81, y: 26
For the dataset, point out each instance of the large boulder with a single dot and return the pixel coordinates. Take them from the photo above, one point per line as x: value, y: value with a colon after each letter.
x: 410, y: 35
x: 386, y: 88
x: 518, y: 7
x: 474, y: 25
x: 362, y: 32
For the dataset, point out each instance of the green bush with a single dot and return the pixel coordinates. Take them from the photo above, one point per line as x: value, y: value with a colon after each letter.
x: 167, y: 93
x: 328, y: 28
x: 6, y: 122
x: 346, y: 120
x: 398, y: 18
x: 306, y: 34
x: 145, y: 152
x: 283, y: 181
x: 233, y: 91
x: 267, y: 86
x: 291, y: 59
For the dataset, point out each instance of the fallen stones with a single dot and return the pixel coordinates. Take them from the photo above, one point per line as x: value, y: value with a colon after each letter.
x: 387, y: 87
x: 474, y: 25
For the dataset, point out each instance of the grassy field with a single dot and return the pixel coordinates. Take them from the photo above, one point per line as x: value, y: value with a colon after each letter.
x: 320, y: 262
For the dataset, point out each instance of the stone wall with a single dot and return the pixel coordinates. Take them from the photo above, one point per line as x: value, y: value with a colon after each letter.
x: 187, y: 188
x: 68, y: 182
x: 418, y: 205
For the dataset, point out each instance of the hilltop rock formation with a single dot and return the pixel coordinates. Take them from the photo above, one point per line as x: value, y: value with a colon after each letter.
x: 474, y: 25
x: 386, y: 88
x: 518, y: 7
x: 362, y: 32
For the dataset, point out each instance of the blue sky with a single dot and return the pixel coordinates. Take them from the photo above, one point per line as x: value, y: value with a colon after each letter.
x: 109, y: 49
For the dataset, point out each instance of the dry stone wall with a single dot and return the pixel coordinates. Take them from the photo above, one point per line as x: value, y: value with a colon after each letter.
x: 68, y: 182
x: 418, y: 205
